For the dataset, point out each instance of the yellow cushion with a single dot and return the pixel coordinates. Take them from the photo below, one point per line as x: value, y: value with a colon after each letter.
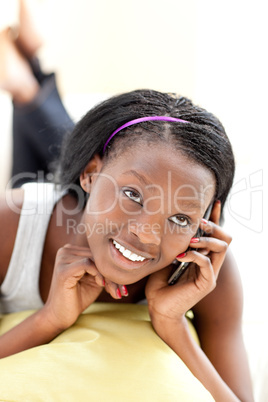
x: 111, y: 354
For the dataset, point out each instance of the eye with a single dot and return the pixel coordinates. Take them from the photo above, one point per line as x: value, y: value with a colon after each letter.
x: 133, y: 195
x: 180, y: 220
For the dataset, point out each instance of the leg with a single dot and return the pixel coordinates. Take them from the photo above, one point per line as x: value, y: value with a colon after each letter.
x: 15, y: 73
x: 29, y: 39
x: 39, y: 118
x: 38, y: 129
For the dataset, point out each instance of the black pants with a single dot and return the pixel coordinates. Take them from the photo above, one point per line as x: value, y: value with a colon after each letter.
x: 38, y: 131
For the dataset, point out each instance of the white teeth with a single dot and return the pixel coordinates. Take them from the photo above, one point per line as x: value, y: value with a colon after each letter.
x: 135, y: 257
x: 127, y: 253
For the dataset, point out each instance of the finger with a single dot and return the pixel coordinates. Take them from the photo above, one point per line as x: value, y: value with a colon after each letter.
x: 91, y: 270
x: 206, y: 268
x: 160, y: 280
x: 162, y: 276
x: 67, y: 254
x: 69, y: 251
x: 77, y: 250
x: 123, y: 290
x: 113, y: 289
x: 77, y: 269
x: 209, y: 243
x: 214, y: 230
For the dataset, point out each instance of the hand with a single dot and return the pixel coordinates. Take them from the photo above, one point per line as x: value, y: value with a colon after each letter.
x: 76, y: 283
x: 199, y: 279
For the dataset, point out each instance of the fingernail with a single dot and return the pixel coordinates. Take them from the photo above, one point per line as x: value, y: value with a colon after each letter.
x: 118, y: 294
x: 124, y: 290
x: 103, y: 282
x: 194, y: 240
x: 204, y: 221
x: 218, y: 201
x: 181, y: 255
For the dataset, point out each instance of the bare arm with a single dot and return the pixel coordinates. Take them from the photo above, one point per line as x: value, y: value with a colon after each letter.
x: 218, y: 326
x: 34, y: 331
x: 172, y: 327
x: 178, y: 337
x: 218, y: 322
x: 76, y: 284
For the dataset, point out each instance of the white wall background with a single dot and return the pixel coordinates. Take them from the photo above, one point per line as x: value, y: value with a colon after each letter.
x: 213, y: 52
x: 231, y: 79
x: 123, y: 44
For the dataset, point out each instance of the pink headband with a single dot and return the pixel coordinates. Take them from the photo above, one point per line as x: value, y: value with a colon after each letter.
x: 140, y: 120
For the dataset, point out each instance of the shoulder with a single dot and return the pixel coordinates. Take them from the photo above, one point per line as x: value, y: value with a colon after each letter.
x: 10, y: 208
x: 225, y: 303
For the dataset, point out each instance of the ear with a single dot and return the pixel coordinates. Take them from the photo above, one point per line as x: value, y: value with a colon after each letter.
x: 89, y: 174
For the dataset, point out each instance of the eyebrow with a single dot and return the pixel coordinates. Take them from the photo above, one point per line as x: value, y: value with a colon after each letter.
x: 139, y: 176
x: 192, y: 204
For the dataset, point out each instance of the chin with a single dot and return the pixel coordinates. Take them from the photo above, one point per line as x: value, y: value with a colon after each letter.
x: 121, y: 277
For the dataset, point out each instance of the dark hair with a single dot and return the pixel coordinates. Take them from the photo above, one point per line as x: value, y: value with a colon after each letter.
x: 203, y: 139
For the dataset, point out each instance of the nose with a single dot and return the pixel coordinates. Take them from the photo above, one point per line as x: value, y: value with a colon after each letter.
x: 148, y: 233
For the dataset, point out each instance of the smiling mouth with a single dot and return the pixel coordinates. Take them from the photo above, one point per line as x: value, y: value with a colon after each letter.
x: 127, y: 253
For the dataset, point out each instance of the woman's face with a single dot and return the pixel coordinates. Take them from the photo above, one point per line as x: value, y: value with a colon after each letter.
x: 143, y: 209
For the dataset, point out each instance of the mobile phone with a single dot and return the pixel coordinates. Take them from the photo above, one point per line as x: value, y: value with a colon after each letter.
x: 181, y: 267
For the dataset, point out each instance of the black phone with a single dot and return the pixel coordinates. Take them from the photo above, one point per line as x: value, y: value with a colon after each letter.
x: 181, y: 266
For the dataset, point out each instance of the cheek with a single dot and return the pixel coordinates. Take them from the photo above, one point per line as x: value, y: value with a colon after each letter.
x: 103, y: 198
x: 176, y: 240
x: 103, y: 216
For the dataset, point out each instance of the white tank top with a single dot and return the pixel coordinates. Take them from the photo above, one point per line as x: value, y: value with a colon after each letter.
x: 20, y: 289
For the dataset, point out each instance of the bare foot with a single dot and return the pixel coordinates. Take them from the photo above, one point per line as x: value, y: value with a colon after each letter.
x: 29, y: 39
x: 16, y: 76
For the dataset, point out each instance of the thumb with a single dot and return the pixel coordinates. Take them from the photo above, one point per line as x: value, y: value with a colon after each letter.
x: 160, y: 278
